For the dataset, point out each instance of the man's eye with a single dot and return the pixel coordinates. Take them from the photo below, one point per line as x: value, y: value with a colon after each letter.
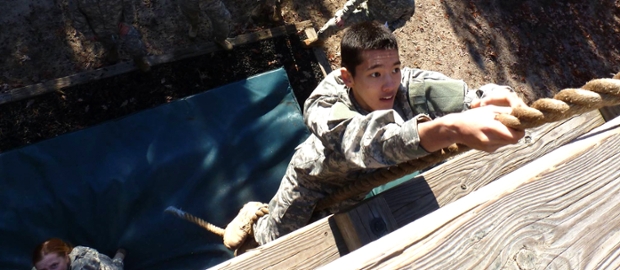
x: 396, y: 70
x: 375, y: 75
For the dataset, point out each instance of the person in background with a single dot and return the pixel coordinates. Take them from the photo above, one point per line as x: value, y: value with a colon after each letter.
x: 393, y: 13
x: 110, y: 23
x: 218, y: 15
x: 56, y: 254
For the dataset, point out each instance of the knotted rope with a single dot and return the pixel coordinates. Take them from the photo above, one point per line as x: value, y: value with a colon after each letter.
x: 595, y: 94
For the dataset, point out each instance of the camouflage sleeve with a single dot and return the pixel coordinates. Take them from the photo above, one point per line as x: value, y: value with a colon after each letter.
x: 407, y: 11
x: 348, y: 8
x: 79, y: 20
x: 469, y: 95
x: 440, y: 93
x: 107, y: 263
x: 89, y: 258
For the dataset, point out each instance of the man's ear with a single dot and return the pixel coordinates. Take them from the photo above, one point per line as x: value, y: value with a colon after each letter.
x: 346, y: 77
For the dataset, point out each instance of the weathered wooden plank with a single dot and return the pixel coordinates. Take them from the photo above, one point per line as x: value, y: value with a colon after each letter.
x: 319, y: 54
x: 125, y: 67
x: 320, y: 241
x: 561, y: 212
x: 460, y: 176
x: 418, y: 197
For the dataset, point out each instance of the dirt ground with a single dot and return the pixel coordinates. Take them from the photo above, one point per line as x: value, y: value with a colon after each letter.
x: 538, y: 47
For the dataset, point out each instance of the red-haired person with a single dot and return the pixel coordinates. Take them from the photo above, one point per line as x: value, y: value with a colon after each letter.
x: 56, y: 254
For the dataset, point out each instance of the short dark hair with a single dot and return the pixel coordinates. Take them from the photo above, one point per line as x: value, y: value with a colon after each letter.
x: 369, y: 35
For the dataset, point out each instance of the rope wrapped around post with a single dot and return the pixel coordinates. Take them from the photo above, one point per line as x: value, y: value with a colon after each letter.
x: 595, y: 94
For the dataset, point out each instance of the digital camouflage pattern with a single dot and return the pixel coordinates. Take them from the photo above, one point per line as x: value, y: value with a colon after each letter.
x: 88, y: 258
x: 346, y: 143
x: 109, y: 22
x: 215, y: 10
x: 394, y: 13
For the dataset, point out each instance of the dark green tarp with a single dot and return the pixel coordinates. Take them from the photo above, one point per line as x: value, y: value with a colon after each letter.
x: 107, y: 186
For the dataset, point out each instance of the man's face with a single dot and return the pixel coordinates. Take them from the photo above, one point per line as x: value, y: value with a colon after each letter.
x: 376, y: 79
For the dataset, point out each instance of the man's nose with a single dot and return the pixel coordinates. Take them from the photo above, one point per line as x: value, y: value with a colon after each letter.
x: 388, y: 84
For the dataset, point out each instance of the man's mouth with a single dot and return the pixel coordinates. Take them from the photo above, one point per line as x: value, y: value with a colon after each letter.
x: 387, y: 98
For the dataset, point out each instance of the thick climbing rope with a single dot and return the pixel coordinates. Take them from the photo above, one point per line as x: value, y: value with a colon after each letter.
x: 237, y: 232
x: 196, y: 220
x: 595, y: 94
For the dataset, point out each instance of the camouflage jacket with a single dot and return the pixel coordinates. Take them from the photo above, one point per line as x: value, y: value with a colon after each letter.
x: 348, y: 142
x: 100, y: 17
x: 393, y: 12
x: 88, y: 258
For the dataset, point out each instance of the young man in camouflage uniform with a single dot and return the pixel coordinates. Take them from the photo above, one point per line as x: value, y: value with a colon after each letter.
x: 372, y: 114
x: 110, y: 23
x: 216, y: 13
x: 393, y: 13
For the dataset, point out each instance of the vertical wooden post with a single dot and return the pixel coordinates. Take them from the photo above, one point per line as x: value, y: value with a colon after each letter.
x: 365, y: 223
x: 318, y: 53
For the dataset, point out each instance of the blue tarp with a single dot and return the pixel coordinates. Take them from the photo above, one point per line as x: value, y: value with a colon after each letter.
x: 107, y: 186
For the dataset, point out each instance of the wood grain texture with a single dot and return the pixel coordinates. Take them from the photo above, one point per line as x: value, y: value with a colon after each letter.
x: 307, y: 248
x: 467, y: 173
x: 560, y: 212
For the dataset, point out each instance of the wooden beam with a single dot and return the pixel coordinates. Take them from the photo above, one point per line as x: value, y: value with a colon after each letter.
x: 409, y: 201
x: 125, y: 67
x: 308, y: 248
x: 561, y: 211
x: 445, y: 184
x: 461, y: 176
x: 319, y: 53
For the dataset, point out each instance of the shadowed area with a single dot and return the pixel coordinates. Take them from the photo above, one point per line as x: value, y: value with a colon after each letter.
x: 107, y: 186
x: 547, y: 45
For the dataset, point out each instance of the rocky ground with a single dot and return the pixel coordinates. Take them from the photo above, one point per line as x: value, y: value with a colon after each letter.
x: 538, y: 47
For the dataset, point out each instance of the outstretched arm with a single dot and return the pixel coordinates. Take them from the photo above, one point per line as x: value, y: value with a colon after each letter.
x: 348, y: 8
